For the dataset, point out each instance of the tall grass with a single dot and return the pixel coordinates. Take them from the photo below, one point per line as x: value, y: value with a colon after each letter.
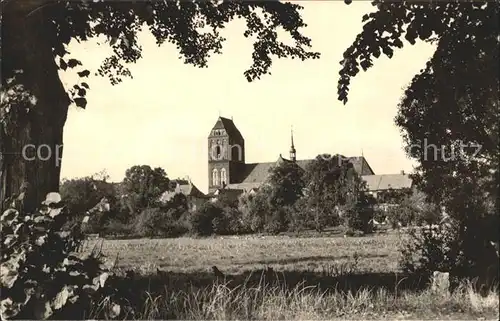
x: 273, y: 302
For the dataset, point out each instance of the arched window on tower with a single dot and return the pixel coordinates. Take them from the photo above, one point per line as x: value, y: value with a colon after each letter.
x: 223, y: 177
x: 215, y: 177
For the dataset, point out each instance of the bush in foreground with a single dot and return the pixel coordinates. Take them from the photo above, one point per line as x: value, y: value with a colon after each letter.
x: 41, y: 276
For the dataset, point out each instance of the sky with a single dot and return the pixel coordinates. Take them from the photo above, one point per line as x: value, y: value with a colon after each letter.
x: 162, y: 117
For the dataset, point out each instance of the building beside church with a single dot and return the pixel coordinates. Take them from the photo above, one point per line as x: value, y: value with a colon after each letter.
x: 228, y: 170
x: 194, y: 196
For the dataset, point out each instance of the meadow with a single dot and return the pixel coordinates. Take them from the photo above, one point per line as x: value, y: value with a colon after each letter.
x: 281, y: 277
x: 236, y: 254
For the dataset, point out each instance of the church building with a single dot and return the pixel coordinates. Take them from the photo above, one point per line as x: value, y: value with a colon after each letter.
x: 228, y: 170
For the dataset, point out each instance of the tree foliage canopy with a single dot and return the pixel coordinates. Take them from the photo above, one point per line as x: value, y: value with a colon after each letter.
x: 194, y: 27
x: 449, y: 113
x: 454, y: 98
x: 287, y: 184
x: 143, y: 185
x: 460, y: 29
x: 328, y: 180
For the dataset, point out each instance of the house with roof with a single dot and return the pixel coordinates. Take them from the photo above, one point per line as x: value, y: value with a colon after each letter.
x: 378, y: 184
x: 195, y: 197
x: 228, y: 169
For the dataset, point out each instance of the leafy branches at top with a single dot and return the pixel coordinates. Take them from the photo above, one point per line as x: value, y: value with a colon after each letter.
x: 439, y: 22
x: 193, y: 26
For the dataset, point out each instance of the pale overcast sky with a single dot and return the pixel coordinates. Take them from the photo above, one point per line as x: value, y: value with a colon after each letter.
x: 162, y: 116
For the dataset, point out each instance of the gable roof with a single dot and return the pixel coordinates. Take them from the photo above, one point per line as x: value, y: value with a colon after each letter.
x: 183, y: 187
x: 361, y: 165
x: 189, y: 190
x: 359, y: 162
x: 228, y: 125
x: 387, y: 181
x: 245, y: 186
x: 259, y: 172
x: 179, y: 181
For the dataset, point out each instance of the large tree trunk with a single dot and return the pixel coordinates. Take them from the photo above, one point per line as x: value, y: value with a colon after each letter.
x: 27, y: 57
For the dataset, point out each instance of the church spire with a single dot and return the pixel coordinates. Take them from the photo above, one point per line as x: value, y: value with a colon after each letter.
x: 292, y: 149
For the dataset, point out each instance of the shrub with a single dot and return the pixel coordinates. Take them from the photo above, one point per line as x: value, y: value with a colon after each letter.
x: 430, y: 249
x: 358, y: 211
x: 429, y: 214
x: 147, y: 222
x: 403, y: 214
x: 171, y: 225
x: 354, y: 233
x: 277, y: 222
x: 155, y: 222
x: 202, y: 220
x: 298, y: 220
x: 379, y: 214
x: 176, y: 206
x: 41, y: 277
x: 117, y: 228
x: 234, y: 219
x: 358, y: 217
x: 82, y: 194
x: 453, y: 248
x: 253, y: 209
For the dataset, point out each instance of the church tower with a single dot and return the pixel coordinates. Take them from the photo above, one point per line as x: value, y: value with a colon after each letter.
x: 226, y: 154
x: 293, y: 153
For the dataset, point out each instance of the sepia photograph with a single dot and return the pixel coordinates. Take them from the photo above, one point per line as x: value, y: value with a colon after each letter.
x: 249, y: 160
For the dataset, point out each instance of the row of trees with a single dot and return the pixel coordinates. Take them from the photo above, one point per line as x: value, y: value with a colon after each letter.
x: 140, y: 189
x: 327, y: 193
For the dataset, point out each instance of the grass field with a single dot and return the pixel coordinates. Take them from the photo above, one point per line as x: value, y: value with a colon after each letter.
x: 237, y: 254
x: 316, y: 278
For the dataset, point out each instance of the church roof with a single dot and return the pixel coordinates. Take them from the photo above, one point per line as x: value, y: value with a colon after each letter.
x: 229, y: 126
x: 359, y: 162
x: 387, y: 181
x: 245, y: 186
x: 258, y: 172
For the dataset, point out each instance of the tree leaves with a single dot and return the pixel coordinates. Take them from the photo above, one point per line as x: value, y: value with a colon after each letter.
x: 43, y: 310
x: 80, y: 102
x: 450, y: 104
x: 62, y: 64
x: 38, y: 262
x: 52, y: 198
x: 72, y: 63
x: 115, y: 311
x: 181, y: 24
x: 84, y: 73
x: 143, y: 186
x: 62, y: 297
x: 431, y: 21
